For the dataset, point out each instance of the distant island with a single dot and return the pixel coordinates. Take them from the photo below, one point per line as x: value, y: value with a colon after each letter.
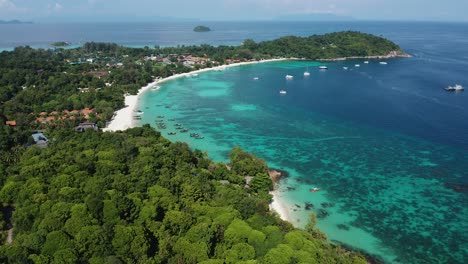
x: 61, y: 44
x: 12, y: 22
x: 201, y: 29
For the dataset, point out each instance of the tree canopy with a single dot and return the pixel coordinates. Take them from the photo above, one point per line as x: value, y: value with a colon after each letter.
x: 134, y: 197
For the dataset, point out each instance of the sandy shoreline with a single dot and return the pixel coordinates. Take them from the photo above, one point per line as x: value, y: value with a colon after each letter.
x: 278, y: 206
x: 123, y: 118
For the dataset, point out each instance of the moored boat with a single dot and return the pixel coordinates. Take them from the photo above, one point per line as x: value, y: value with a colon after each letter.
x: 289, y: 77
x: 282, y: 92
x: 323, y: 67
x: 307, y: 73
x: 456, y: 87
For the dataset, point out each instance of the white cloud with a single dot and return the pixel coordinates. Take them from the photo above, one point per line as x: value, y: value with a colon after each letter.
x: 6, y: 4
x: 55, y: 7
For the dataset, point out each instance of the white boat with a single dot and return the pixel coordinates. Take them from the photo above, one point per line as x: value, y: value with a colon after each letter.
x: 357, y: 65
x: 345, y: 68
x: 194, y: 75
x: 366, y: 62
x: 255, y: 78
x: 156, y: 88
x: 307, y: 73
x: 383, y: 62
x: 289, y: 77
x: 282, y: 92
x: 323, y: 67
x: 457, y: 87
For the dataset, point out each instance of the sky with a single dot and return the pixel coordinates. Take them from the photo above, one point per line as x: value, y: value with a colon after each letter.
x: 150, y: 10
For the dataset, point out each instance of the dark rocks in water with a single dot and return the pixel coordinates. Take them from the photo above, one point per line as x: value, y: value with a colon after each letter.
x: 291, y: 188
x: 325, y: 205
x: 322, y: 214
x: 308, y: 206
x: 277, y: 174
x: 343, y: 227
x: 298, y: 206
x: 461, y: 188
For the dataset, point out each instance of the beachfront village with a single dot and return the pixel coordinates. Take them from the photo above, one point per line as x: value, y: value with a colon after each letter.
x: 85, y: 84
x: 65, y: 87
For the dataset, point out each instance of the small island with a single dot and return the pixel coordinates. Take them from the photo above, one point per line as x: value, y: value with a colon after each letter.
x: 201, y: 29
x: 14, y: 22
x: 60, y: 44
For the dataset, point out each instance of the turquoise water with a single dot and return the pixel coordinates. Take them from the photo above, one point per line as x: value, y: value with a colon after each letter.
x: 391, y: 184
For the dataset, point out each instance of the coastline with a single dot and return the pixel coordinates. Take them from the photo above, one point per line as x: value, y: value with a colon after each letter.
x: 278, y: 206
x: 391, y: 55
x: 123, y: 118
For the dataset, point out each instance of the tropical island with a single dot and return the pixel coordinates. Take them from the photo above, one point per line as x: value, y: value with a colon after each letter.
x: 70, y: 192
x: 14, y: 22
x: 61, y: 44
x: 201, y: 29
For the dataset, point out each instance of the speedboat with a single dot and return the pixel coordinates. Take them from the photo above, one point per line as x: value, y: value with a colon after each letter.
x: 366, y: 62
x: 357, y: 65
x: 457, y: 87
x: 323, y: 67
x: 282, y: 92
x: 383, y: 63
x: 345, y: 68
x: 289, y: 77
x: 255, y: 78
x: 315, y: 189
x: 307, y: 73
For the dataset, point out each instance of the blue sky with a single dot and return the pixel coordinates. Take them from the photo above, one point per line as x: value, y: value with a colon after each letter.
x: 147, y: 10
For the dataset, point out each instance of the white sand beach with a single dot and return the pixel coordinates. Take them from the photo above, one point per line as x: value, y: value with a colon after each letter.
x: 123, y: 118
x: 278, y: 206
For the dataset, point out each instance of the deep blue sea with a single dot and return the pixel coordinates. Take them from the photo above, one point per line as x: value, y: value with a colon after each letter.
x: 386, y: 144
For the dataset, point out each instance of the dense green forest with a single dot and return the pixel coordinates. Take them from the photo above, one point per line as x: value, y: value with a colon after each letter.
x: 135, y: 197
